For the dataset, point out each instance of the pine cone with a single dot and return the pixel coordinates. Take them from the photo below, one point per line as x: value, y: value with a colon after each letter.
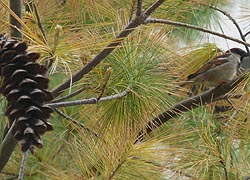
x: 25, y: 88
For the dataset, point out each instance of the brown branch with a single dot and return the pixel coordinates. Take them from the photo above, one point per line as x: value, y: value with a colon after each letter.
x: 39, y: 22
x: 73, y: 94
x: 153, y: 7
x: 245, y: 35
x: 180, y: 24
x: 92, y: 100
x: 191, y: 103
x: 139, y: 8
x: 138, y: 20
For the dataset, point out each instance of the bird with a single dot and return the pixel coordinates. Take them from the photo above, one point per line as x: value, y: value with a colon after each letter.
x: 218, y: 71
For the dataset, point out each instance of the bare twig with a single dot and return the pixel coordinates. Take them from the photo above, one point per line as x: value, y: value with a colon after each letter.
x: 88, y: 101
x: 245, y: 35
x: 190, y: 103
x: 73, y: 94
x: 139, y: 8
x: 23, y: 164
x: 230, y: 18
x: 39, y: 23
x: 75, y: 122
x: 153, y: 7
x: 180, y: 24
x: 135, y: 22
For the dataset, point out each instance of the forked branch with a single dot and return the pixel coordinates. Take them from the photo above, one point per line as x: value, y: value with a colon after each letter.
x: 134, y: 23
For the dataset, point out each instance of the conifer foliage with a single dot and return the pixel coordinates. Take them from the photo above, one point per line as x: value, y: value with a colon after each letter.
x: 25, y: 88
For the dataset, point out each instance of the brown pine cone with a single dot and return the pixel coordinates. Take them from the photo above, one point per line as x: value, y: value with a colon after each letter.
x: 25, y: 88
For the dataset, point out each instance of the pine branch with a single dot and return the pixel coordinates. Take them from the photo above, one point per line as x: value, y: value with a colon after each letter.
x: 92, y: 100
x: 132, y: 25
x: 180, y: 24
x: 191, y: 103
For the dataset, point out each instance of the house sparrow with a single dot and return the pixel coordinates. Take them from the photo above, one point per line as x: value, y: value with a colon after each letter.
x: 219, y: 70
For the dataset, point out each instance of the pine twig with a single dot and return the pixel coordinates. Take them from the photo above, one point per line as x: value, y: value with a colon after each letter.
x: 180, y: 24
x: 73, y: 94
x: 139, y: 8
x: 92, y: 100
x: 23, y: 164
x: 246, y: 34
x: 39, y: 23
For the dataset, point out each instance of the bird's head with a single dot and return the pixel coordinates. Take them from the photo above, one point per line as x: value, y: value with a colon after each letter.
x: 237, y: 51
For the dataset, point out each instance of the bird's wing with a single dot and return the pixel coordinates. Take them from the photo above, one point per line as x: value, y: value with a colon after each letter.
x: 219, y: 60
